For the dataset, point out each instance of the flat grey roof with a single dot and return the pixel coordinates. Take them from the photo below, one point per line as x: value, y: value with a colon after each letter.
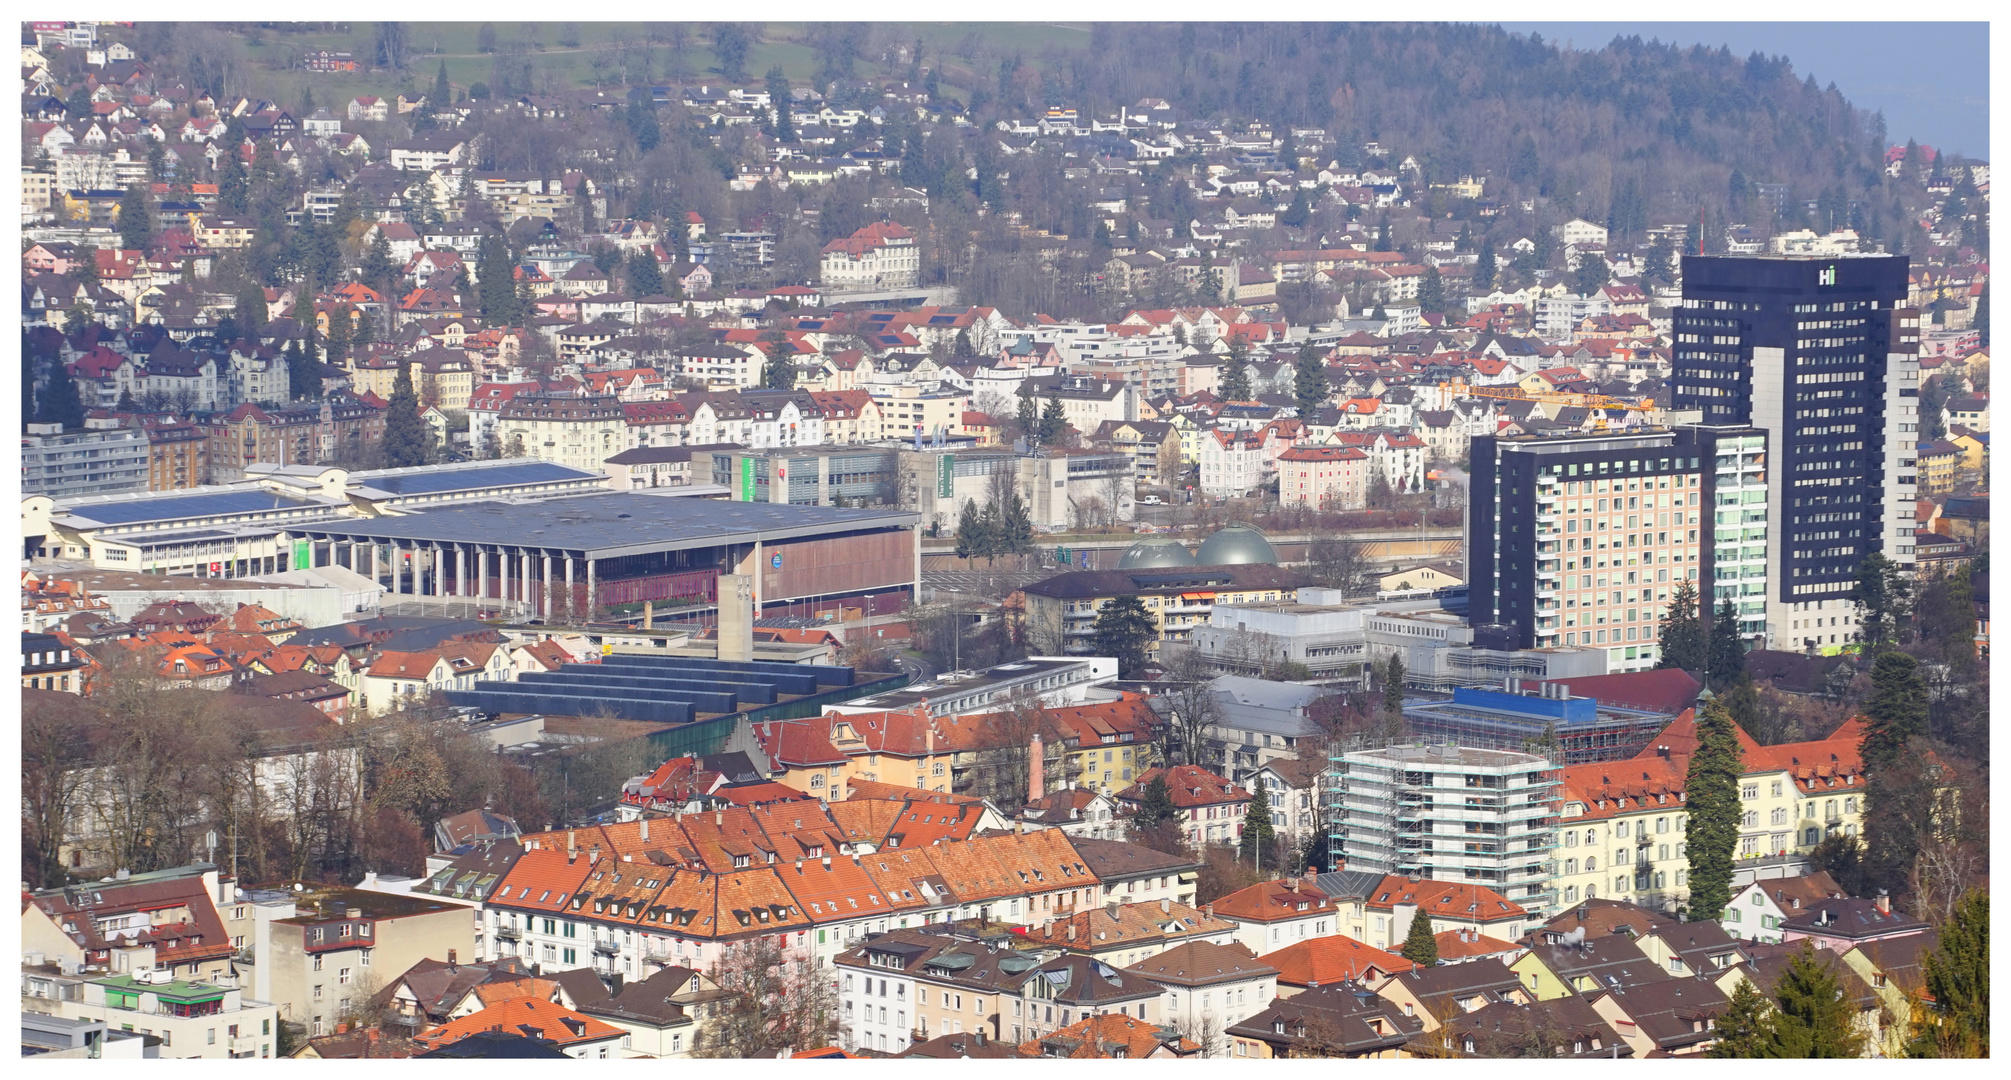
x: 609, y: 525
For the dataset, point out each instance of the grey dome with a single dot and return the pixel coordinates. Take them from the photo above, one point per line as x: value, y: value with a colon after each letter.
x: 1236, y: 545
x: 1154, y: 552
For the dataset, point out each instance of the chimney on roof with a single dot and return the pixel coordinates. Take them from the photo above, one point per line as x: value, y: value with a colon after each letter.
x: 1884, y: 902
x: 1208, y: 909
x: 572, y: 845
x: 1071, y: 930
x: 1035, y: 763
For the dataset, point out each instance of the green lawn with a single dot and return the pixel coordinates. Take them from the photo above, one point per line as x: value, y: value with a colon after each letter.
x: 455, y: 43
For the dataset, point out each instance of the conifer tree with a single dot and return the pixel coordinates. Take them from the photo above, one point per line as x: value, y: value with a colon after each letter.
x: 990, y: 532
x: 968, y: 540
x: 1029, y: 420
x: 136, y: 218
x: 496, y: 276
x: 1431, y: 291
x: 60, y: 402
x: 1257, y: 830
x: 1957, y: 976
x: 251, y: 311
x: 645, y: 277
x: 1881, y: 596
x: 1157, y: 805
x: 1309, y: 382
x: 1124, y: 630
x: 1015, y: 525
x: 1745, y: 1026
x: 1485, y: 269
x: 1712, y: 832
x: 1682, y: 634
x: 1420, y: 947
x: 1393, y: 687
x: 1728, y: 650
x: 1895, y: 713
x: 407, y: 440
x: 1236, y: 371
x: 1053, y: 421
x: 1812, y: 1018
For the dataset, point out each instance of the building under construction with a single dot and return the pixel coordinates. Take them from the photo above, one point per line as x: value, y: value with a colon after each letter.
x: 1448, y: 813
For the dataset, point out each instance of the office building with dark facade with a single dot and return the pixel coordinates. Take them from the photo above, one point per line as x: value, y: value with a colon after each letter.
x: 1580, y: 540
x: 1821, y: 354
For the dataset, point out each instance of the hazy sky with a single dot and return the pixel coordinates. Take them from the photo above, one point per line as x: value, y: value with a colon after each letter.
x: 1932, y: 79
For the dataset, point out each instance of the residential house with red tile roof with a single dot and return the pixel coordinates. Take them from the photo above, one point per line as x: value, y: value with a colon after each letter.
x: 1212, y: 808
x: 1111, y: 1035
x: 1382, y: 916
x: 1124, y: 934
x: 575, y: 1034
x: 1276, y: 913
x: 1329, y: 961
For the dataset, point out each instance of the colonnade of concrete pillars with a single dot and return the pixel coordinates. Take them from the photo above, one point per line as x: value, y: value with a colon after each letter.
x: 474, y: 571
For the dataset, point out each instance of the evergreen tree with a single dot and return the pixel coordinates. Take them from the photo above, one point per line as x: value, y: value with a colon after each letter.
x: 136, y: 219
x: 1712, y: 832
x: 84, y: 264
x: 779, y: 373
x: 1157, y: 806
x: 970, y: 543
x: 1957, y: 976
x: 1052, y: 422
x: 290, y: 355
x: 645, y: 277
x: 1742, y: 700
x: 1257, y: 830
x: 1881, y: 596
x: 126, y: 403
x: 341, y: 332
x: 1431, y: 291
x: 1811, y: 1017
x: 1682, y: 634
x: 1029, y: 421
x: 251, y: 311
x: 642, y: 122
x: 377, y: 265
x: 1728, y: 650
x: 1896, y: 712
x: 1297, y: 214
x: 1125, y: 630
x: 1745, y: 1026
x: 991, y: 532
x: 1590, y: 275
x: 310, y: 362
x: 60, y: 402
x: 1236, y: 372
x: 495, y: 274
x: 1015, y: 525
x: 1484, y: 269
x: 443, y: 92
x: 407, y: 439
x: 233, y: 183
x: 780, y: 100
x: 1309, y: 382
x: 1393, y: 687
x: 1420, y: 947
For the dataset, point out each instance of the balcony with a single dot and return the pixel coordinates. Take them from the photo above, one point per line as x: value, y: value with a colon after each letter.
x: 509, y: 933
x: 606, y: 947
x: 244, y: 1046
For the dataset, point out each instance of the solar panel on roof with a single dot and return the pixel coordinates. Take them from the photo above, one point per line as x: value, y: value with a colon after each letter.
x: 427, y: 483
x: 183, y: 507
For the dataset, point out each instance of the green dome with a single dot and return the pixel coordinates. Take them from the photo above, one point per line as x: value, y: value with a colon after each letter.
x: 1154, y: 552
x: 1236, y: 545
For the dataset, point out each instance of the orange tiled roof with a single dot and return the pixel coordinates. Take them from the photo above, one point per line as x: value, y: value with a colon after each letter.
x: 1325, y: 961
x: 552, y: 1021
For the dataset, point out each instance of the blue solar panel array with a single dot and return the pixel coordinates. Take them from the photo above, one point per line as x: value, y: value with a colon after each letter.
x: 433, y: 482
x: 658, y: 689
x: 184, y: 507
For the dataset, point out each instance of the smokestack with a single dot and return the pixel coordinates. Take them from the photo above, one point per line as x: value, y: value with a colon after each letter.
x: 1884, y: 902
x: 645, y: 828
x: 572, y: 845
x: 1035, y: 781
x: 1165, y: 906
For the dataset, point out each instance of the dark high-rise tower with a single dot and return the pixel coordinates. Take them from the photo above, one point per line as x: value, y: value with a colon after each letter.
x: 1821, y: 353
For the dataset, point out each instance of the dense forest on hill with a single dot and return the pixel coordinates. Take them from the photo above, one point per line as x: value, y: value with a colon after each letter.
x: 1636, y: 129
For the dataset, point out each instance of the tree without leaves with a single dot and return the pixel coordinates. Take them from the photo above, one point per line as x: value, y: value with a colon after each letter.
x: 1188, y: 687
x: 1712, y: 831
x: 774, y: 1003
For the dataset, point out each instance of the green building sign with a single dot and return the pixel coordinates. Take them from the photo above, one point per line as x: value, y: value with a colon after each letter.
x: 946, y: 475
x: 747, y: 479
x: 303, y: 554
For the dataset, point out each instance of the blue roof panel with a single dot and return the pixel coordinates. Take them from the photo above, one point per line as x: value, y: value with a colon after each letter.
x: 514, y: 475
x: 185, y: 507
